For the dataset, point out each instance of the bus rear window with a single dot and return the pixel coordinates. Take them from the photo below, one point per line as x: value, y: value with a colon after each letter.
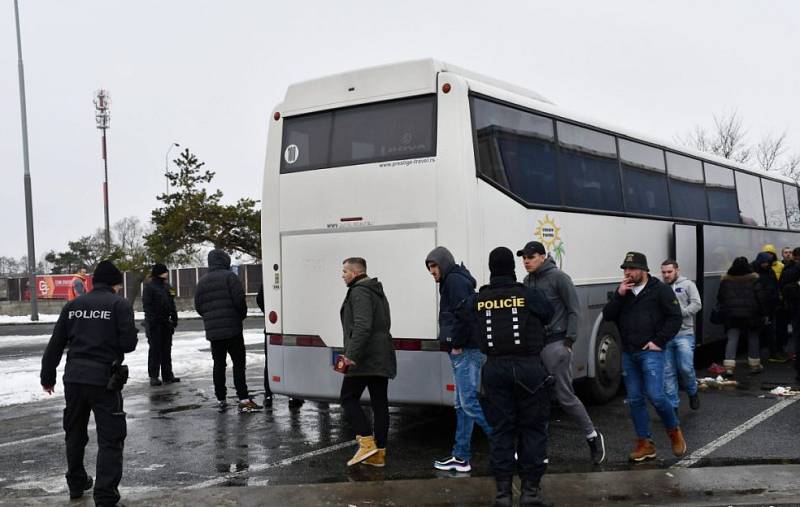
x: 396, y: 130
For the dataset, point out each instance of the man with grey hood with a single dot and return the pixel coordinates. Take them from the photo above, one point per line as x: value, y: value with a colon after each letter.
x: 560, y: 334
x: 679, y: 363
x: 456, y: 285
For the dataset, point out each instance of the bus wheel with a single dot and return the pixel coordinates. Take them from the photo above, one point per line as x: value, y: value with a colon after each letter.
x: 608, y: 365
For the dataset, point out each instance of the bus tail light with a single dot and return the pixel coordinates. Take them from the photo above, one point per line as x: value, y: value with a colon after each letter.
x: 446, y: 88
x: 407, y: 344
x: 309, y: 341
x: 450, y: 387
x: 273, y: 317
x: 277, y: 116
x: 276, y: 378
x: 275, y: 339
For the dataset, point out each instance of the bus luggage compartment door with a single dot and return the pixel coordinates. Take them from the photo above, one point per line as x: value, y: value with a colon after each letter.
x: 313, y: 291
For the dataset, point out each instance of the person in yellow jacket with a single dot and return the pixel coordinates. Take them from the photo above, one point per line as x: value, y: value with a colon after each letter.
x: 777, y: 265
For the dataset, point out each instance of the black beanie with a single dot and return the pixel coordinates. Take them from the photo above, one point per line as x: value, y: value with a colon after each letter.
x: 158, y: 269
x: 501, y: 262
x: 106, y: 272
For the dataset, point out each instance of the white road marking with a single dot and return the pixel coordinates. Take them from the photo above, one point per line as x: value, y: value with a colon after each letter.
x: 734, y: 433
x: 30, y: 440
x: 266, y: 466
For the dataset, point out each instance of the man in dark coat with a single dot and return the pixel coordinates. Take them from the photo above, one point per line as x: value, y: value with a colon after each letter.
x: 370, y: 359
x: 648, y: 315
x: 790, y: 290
x: 98, y: 330
x: 219, y: 299
x: 160, y: 321
x: 456, y: 285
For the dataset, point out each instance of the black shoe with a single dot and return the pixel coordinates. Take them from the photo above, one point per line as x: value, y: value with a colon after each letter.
x: 267, y: 400
x: 172, y: 380
x: 531, y: 497
x: 694, y: 402
x: 155, y: 382
x: 597, y: 448
x: 504, y: 495
x: 296, y: 402
x: 74, y: 495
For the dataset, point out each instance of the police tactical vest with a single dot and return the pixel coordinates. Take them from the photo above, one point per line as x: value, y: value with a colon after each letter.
x: 506, y: 326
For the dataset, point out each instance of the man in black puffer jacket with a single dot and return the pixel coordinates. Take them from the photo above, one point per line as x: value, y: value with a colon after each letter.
x: 220, y: 301
x: 160, y: 320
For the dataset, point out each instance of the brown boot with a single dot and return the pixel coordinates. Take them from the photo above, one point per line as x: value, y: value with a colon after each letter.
x: 366, y: 448
x: 678, y: 443
x: 645, y: 449
x: 376, y: 460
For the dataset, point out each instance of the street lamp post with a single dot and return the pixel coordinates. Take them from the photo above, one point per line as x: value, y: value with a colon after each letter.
x: 166, y: 163
x: 102, y: 103
x: 25, y: 161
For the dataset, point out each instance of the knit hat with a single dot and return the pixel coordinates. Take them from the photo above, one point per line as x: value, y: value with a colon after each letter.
x: 740, y: 267
x: 501, y: 262
x: 107, y: 273
x: 763, y: 257
x: 158, y: 269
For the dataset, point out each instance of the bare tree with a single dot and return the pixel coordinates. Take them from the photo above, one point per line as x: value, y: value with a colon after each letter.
x: 727, y: 139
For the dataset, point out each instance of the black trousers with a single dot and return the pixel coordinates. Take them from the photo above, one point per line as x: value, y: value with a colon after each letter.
x: 159, y: 354
x: 516, y: 404
x: 109, y: 418
x: 350, y: 396
x: 220, y: 350
x: 782, y: 319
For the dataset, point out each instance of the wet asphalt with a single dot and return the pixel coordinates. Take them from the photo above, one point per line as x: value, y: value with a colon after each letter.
x: 178, y: 439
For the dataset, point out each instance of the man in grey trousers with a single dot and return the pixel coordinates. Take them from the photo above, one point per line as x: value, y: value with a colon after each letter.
x: 560, y: 334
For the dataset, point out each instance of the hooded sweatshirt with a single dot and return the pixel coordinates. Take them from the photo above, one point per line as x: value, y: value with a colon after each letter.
x: 689, y: 298
x: 561, y: 293
x: 456, y: 285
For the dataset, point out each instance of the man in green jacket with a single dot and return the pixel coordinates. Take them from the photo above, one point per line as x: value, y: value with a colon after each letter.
x: 370, y: 359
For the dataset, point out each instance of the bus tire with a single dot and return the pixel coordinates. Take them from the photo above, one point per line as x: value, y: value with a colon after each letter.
x: 608, y: 364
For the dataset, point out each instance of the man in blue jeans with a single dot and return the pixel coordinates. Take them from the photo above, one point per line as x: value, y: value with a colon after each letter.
x: 456, y: 284
x: 648, y: 315
x: 679, y: 364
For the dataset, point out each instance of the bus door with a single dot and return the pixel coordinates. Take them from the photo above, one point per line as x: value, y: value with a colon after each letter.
x: 687, y: 249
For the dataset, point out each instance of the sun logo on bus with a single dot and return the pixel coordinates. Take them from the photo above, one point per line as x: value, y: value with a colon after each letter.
x: 549, y: 234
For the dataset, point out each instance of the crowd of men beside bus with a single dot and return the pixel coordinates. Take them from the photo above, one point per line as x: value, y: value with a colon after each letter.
x: 510, y: 345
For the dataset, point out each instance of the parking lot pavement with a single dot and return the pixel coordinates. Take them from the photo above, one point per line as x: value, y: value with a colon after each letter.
x: 177, y: 440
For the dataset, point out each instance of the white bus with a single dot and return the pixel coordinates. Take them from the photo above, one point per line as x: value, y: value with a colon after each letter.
x: 388, y: 162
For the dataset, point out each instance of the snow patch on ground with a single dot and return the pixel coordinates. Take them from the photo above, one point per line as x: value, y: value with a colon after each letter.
x: 191, y: 356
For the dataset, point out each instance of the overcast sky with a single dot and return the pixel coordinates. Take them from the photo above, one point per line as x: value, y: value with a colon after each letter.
x: 206, y: 75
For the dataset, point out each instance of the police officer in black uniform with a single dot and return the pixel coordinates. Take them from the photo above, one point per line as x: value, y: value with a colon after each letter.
x: 160, y: 321
x: 515, y: 386
x: 98, y: 329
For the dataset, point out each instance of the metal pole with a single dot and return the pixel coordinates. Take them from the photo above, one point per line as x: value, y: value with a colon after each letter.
x: 166, y: 163
x: 28, y: 199
x: 105, y: 194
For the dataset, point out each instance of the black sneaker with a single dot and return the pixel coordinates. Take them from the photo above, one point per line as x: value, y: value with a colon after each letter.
x: 597, y: 447
x: 452, y: 463
x: 694, y: 402
x: 296, y: 402
x: 222, y: 405
x: 172, y: 380
x: 155, y: 382
x: 74, y: 495
x: 268, y: 400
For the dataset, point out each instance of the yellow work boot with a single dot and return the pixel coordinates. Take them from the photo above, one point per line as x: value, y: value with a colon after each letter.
x: 376, y: 460
x: 366, y: 448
